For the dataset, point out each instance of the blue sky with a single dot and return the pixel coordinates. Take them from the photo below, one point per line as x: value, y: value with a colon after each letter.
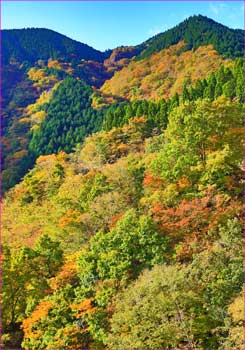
x: 107, y: 24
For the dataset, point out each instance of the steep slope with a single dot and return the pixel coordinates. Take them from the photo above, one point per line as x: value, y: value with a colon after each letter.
x: 172, y: 200
x: 179, y: 56
x: 32, y: 44
x: 40, y: 203
x: 163, y: 73
x: 133, y: 240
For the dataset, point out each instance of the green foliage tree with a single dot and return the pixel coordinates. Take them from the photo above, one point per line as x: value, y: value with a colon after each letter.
x: 152, y: 313
x: 190, y: 140
x: 25, y: 282
x: 219, y: 275
x: 124, y: 251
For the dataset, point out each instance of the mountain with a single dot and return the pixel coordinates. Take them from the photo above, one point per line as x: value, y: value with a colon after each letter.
x: 123, y: 191
x: 32, y: 44
x: 197, y: 31
x: 179, y: 56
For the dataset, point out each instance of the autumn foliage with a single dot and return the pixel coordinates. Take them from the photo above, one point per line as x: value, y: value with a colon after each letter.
x: 123, y: 180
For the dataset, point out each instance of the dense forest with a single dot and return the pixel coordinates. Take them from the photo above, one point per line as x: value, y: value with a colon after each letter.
x: 122, y: 212
x: 31, y: 44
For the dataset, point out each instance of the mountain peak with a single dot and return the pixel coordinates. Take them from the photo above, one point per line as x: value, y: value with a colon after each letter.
x: 195, y: 31
x: 31, y: 44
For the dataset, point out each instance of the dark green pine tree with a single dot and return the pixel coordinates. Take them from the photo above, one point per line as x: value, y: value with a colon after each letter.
x: 185, y: 94
x: 229, y: 88
x: 209, y: 91
x: 174, y: 101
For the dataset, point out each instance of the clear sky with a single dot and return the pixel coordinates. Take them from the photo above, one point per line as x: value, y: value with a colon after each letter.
x: 108, y: 24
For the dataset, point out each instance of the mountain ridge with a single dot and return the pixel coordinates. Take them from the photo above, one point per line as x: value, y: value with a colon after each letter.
x: 52, y: 59
x: 182, y: 31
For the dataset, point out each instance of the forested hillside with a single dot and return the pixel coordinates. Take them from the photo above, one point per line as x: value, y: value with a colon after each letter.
x: 35, y: 60
x: 164, y: 73
x: 123, y: 195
